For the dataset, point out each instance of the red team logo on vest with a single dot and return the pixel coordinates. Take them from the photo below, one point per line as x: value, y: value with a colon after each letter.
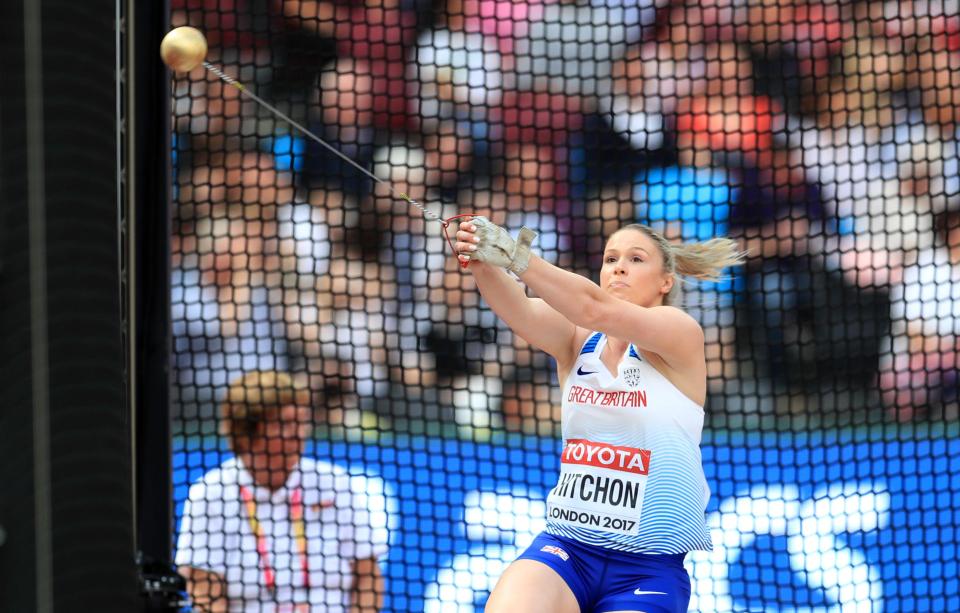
x: 602, y: 455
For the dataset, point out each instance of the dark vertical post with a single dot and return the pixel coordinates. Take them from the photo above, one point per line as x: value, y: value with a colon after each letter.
x: 65, y: 439
x: 17, y: 504
x: 148, y: 126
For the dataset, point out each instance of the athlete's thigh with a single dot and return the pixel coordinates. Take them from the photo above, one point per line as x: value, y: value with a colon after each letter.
x: 531, y: 587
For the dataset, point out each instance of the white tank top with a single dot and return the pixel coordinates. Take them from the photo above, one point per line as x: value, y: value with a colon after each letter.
x: 631, y: 473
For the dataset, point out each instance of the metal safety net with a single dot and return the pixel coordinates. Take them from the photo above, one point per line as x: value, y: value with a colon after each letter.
x: 354, y: 426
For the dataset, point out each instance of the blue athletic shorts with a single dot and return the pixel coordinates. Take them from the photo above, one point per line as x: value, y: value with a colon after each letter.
x: 606, y: 580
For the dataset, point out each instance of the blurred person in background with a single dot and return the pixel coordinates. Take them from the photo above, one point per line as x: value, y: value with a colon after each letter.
x: 370, y: 30
x: 375, y: 33
x: 225, y: 318
x: 802, y: 323
x: 261, y: 279
x: 211, y: 117
x: 920, y: 375
x: 359, y: 96
x: 935, y: 82
x: 530, y: 401
x: 472, y: 69
x: 335, y: 304
x: 271, y: 530
x: 342, y: 113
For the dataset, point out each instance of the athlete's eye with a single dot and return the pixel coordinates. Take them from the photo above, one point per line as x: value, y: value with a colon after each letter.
x: 637, y: 258
x: 610, y: 259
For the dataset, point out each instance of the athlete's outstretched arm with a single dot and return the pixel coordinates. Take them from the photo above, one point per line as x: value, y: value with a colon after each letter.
x: 663, y: 330
x: 666, y: 331
x: 531, y: 319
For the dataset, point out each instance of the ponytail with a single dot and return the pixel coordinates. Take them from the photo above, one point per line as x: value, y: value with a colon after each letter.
x: 705, y: 261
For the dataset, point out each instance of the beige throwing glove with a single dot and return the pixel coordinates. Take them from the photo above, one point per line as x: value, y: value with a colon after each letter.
x: 497, y: 247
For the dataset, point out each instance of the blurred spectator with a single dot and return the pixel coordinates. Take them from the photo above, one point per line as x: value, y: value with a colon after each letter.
x: 343, y: 116
x: 455, y: 75
x: 702, y: 89
x: 413, y: 249
x: 531, y: 401
x: 563, y: 47
x: 478, y: 75
x: 407, y: 169
x: 716, y: 114
x: 937, y: 85
x: 344, y: 306
x: 640, y: 95
x: 831, y: 125
x: 801, y: 323
x: 863, y: 168
x: 225, y: 319
x: 373, y: 30
x: 263, y: 281
x: 240, y: 24
x: 353, y: 319
x: 376, y: 34
x: 272, y: 530
x: 919, y: 374
x: 213, y: 117
x: 737, y: 130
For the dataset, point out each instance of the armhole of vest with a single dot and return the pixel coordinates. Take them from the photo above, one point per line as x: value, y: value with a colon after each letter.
x: 591, y: 343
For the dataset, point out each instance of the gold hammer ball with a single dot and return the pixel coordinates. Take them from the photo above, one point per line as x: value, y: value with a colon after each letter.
x: 183, y: 48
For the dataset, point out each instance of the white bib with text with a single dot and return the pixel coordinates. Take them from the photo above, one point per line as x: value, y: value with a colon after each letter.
x: 601, y: 487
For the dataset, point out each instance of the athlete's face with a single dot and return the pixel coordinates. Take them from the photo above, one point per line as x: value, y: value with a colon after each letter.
x: 633, y: 269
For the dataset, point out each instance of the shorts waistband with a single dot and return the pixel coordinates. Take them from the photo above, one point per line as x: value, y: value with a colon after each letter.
x: 629, y: 556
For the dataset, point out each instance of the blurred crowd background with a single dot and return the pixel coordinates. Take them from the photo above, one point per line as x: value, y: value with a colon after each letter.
x: 823, y: 134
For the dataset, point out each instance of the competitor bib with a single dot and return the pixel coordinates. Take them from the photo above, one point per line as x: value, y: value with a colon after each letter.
x: 600, y: 487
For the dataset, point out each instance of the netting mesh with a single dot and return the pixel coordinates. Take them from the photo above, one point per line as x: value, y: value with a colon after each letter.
x: 821, y: 134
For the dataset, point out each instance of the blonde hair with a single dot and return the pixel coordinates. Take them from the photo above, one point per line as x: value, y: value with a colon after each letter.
x: 251, y: 397
x: 705, y: 261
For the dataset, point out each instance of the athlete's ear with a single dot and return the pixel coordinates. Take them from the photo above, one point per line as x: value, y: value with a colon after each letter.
x: 667, y: 285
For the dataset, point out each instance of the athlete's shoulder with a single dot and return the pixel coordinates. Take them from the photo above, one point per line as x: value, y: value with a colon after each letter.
x: 672, y: 311
x: 682, y: 321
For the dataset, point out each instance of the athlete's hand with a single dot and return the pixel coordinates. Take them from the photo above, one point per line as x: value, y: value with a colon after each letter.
x: 481, y: 240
